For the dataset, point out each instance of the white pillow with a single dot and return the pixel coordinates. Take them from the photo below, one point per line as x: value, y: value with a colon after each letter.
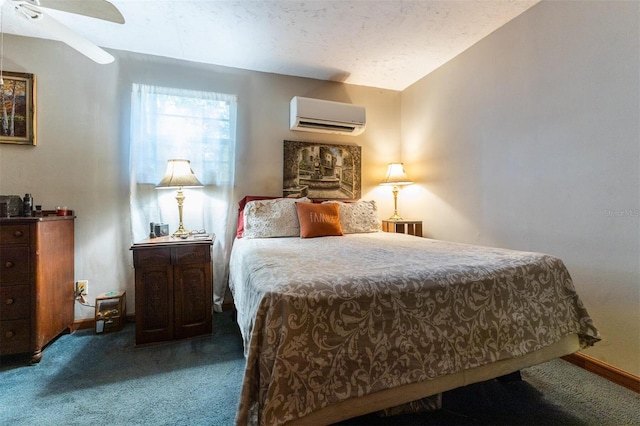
x: 272, y: 218
x: 359, y: 217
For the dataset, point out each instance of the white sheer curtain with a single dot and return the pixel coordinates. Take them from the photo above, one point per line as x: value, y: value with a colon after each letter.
x: 168, y: 123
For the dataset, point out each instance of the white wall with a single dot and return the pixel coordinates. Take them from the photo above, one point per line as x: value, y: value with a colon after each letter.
x: 530, y: 140
x: 81, y: 159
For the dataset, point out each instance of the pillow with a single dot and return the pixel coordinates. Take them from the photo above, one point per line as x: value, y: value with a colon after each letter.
x: 241, y: 204
x: 319, y: 220
x: 358, y: 217
x: 272, y: 218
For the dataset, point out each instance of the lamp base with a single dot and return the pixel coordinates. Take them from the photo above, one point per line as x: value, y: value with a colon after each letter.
x: 181, y: 232
x: 396, y: 216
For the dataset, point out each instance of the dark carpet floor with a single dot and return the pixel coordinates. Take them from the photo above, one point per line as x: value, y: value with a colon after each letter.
x: 89, y: 379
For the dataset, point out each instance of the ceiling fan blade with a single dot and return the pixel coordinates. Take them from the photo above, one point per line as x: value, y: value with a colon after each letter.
x: 99, y: 9
x: 66, y: 35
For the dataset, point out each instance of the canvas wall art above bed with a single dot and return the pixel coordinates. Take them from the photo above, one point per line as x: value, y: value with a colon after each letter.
x: 321, y: 170
x: 361, y: 320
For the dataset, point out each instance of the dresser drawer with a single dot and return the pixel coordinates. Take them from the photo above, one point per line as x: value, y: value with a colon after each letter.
x: 14, y: 264
x: 16, y: 336
x: 192, y: 254
x: 14, y: 234
x: 14, y: 302
x: 153, y: 257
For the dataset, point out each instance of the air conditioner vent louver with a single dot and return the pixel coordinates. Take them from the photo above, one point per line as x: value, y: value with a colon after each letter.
x: 326, y: 126
x: 317, y: 115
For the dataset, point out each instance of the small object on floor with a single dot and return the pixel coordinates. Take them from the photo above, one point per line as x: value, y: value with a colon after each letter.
x: 110, y: 311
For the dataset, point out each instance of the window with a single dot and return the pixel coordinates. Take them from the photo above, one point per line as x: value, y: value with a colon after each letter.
x: 173, y: 123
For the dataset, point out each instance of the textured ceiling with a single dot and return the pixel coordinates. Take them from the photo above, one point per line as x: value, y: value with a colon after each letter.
x: 386, y: 44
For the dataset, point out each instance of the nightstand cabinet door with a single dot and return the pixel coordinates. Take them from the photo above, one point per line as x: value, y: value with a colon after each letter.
x: 154, y: 295
x: 193, y: 291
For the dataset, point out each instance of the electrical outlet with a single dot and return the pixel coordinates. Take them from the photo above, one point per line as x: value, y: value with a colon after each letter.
x: 82, y: 288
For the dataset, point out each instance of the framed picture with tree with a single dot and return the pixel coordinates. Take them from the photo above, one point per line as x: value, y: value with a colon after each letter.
x: 17, y: 108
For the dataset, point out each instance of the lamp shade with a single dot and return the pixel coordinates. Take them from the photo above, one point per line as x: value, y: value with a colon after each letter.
x: 179, y: 174
x: 396, y: 175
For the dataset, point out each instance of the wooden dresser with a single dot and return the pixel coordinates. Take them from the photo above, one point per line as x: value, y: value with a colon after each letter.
x: 174, y: 288
x: 36, y: 282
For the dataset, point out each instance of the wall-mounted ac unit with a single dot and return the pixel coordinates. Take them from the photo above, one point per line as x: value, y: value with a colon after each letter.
x: 317, y: 115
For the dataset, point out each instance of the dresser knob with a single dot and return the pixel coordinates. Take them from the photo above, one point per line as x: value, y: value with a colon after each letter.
x: 9, y: 334
x: 17, y: 234
x: 9, y: 264
x: 9, y: 301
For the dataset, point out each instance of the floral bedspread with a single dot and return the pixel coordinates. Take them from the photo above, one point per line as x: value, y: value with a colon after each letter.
x: 333, y: 318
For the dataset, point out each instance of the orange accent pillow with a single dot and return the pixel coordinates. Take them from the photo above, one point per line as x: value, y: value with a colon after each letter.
x: 319, y: 220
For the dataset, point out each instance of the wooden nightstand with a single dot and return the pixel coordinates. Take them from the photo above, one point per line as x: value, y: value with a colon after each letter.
x: 410, y: 227
x: 174, y: 288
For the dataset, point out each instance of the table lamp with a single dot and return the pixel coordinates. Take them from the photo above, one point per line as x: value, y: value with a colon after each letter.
x: 396, y: 177
x: 179, y: 175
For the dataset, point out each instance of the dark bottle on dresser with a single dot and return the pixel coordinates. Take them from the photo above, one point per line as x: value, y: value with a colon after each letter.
x: 27, y: 205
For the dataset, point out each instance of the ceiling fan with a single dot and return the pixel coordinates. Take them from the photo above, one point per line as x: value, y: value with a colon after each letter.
x: 99, y: 9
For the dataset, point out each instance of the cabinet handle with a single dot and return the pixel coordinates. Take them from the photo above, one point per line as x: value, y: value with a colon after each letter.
x: 9, y: 334
x: 17, y: 234
x: 9, y: 301
x: 9, y: 264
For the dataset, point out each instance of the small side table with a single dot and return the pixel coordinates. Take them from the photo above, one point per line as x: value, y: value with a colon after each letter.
x: 174, y: 288
x: 410, y: 227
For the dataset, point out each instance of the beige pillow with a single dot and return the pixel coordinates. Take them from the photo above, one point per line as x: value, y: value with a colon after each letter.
x: 272, y: 218
x: 358, y: 217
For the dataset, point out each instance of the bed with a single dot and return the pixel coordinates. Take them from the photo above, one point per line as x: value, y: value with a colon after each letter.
x: 342, y: 325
